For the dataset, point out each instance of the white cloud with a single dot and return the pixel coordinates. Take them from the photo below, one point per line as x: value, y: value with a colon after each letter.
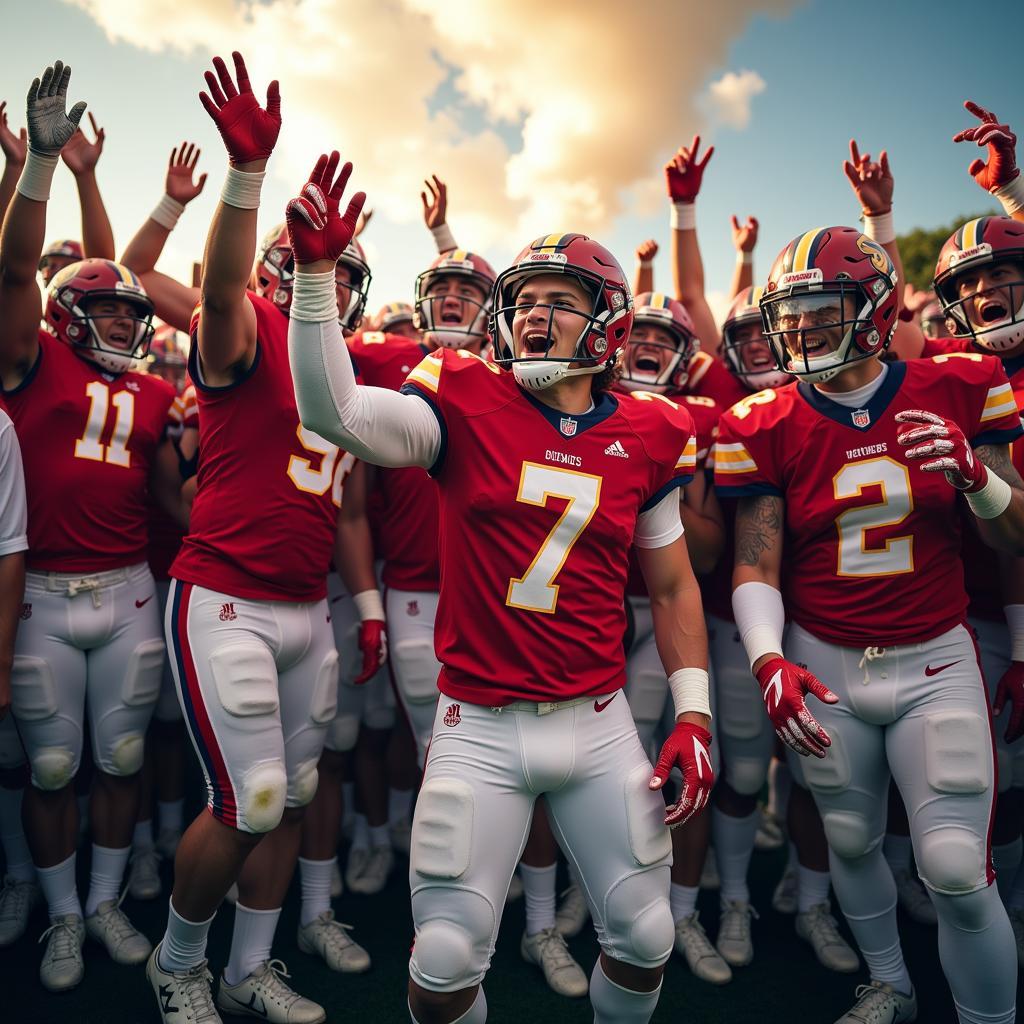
x: 728, y: 99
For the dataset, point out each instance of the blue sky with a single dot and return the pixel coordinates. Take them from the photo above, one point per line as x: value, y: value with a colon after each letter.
x: 879, y: 72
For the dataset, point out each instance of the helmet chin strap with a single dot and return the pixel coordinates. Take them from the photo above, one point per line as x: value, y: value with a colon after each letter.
x: 540, y: 374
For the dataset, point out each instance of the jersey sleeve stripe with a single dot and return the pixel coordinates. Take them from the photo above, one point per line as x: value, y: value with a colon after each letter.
x: 1007, y: 436
x: 733, y: 458
x: 688, y: 460
x: 676, y: 481
x: 1000, y: 402
x: 425, y: 375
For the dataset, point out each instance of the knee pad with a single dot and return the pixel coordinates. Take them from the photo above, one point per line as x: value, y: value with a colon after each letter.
x: 126, y: 755
x: 53, y: 768
x: 952, y: 860
x: 415, y: 670
x: 324, y: 703
x: 33, y: 690
x: 245, y: 676
x: 849, y: 834
x: 262, y: 797
x: 741, y: 712
x: 957, y: 752
x: 830, y: 774
x: 302, y: 784
x: 638, y: 922
x: 649, y: 839
x: 342, y: 733
x: 746, y: 775
x: 143, y: 673
x: 442, y: 832
x: 452, y: 952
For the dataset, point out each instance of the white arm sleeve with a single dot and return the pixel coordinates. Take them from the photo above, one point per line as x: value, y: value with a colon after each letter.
x: 13, y: 507
x: 660, y: 525
x: 760, y: 618
x: 374, y: 424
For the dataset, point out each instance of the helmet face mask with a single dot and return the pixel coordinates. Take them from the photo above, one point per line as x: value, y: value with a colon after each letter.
x: 983, y: 297
x: 661, y: 345
x: 453, y: 300
x: 748, y: 353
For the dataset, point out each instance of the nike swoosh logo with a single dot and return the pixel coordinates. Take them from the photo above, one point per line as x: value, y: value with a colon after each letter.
x: 139, y: 604
x: 260, y: 1010
x: 599, y: 707
x: 929, y: 671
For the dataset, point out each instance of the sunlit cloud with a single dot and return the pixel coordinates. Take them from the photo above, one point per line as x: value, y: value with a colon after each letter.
x: 728, y: 98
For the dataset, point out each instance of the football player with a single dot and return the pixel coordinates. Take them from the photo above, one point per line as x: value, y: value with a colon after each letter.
x: 397, y: 318
x: 89, y: 639
x: 859, y: 465
x: 544, y: 477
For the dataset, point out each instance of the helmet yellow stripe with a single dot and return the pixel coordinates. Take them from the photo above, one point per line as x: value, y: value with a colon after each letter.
x: 458, y: 254
x: 551, y: 241
x: 658, y: 301
x: 755, y: 295
x: 803, y: 249
x: 971, y: 234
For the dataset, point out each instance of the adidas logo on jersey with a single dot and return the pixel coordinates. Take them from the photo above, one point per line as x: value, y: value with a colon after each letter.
x: 616, y: 449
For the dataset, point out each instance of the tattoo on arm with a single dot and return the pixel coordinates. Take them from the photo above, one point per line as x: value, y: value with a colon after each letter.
x: 997, y: 458
x: 758, y: 525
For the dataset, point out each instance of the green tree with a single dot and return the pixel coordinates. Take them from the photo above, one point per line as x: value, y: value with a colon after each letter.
x: 919, y: 249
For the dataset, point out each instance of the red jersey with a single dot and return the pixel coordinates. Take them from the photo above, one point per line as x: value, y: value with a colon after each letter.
x: 164, y: 533
x: 872, y: 545
x: 89, y: 440
x: 406, y: 518
x: 711, y: 378
x: 265, y: 514
x: 944, y: 346
x: 538, y: 509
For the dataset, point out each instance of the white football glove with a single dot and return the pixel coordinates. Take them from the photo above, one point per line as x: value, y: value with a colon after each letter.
x: 49, y: 126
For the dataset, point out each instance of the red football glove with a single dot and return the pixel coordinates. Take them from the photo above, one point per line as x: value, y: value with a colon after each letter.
x: 684, y: 172
x: 688, y: 747
x: 249, y: 132
x: 1001, y: 168
x: 943, y: 438
x: 315, y: 227
x: 783, y: 687
x: 373, y: 642
x: 1011, y: 688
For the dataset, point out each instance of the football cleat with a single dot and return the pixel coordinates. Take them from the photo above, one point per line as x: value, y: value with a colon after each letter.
x: 144, y: 875
x: 265, y: 995
x: 337, y: 885
x: 547, y: 949
x: 62, y: 967
x: 878, y: 1003
x: 694, y: 946
x: 784, y: 896
x: 573, y: 912
x: 819, y: 928
x: 167, y: 843
x: 123, y: 941
x: 770, y: 835
x: 329, y: 939
x: 374, y: 875
x: 734, y: 942
x: 183, y: 998
x: 914, y: 899
x: 17, y: 900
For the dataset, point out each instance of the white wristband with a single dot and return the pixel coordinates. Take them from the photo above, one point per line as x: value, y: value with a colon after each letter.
x: 683, y: 216
x: 745, y: 259
x: 690, y: 691
x: 646, y: 264
x: 36, y: 175
x: 242, y: 189
x: 993, y: 499
x: 1011, y: 195
x: 1015, y: 620
x: 314, y: 297
x: 443, y: 238
x: 369, y: 605
x: 167, y: 212
x: 879, y: 227
x: 760, y: 618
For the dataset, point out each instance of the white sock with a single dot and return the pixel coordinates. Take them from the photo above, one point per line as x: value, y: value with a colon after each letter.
x: 380, y: 835
x: 812, y: 888
x: 683, y: 900
x: 315, y: 878
x: 12, y: 837
x: 184, y: 942
x: 105, y: 876
x: 399, y: 805
x: 886, y: 965
x: 1006, y: 860
x: 733, y: 840
x: 361, y: 833
x: 539, y: 893
x: 251, y: 940
x: 171, y: 814
x: 58, y: 885
x: 142, y: 837
x: 614, y: 1004
x: 897, y: 851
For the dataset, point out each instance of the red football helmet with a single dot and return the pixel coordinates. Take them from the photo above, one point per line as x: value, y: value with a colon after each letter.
x: 75, y: 288
x: 743, y: 329
x: 933, y: 320
x: 394, y: 314
x: 980, y: 244
x: 643, y: 369
x: 607, y: 325
x: 168, y: 354
x: 430, y: 315
x: 57, y: 255
x: 829, y: 280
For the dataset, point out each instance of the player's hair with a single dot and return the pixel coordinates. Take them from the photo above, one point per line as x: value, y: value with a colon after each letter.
x: 607, y: 378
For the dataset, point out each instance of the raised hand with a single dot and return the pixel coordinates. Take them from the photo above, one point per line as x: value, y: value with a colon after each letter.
x: 180, y: 170
x: 50, y: 124
x: 435, y: 209
x: 685, y: 172
x: 872, y: 183
x: 646, y: 251
x: 1001, y: 168
x: 249, y: 132
x: 318, y: 231
x: 80, y: 154
x: 14, y: 147
x: 744, y: 236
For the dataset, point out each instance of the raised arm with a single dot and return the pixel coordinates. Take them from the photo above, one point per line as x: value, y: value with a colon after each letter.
x: 14, y: 148
x: 643, y: 279
x: 683, y: 175
x: 21, y: 242
x: 380, y: 426
x: 227, y: 327
x: 1000, y: 176
x: 435, y: 213
x: 173, y: 300
x: 744, y: 240
x: 81, y: 157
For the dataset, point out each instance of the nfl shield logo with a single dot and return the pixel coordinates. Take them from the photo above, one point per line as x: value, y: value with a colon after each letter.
x: 861, y: 417
x: 567, y: 425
